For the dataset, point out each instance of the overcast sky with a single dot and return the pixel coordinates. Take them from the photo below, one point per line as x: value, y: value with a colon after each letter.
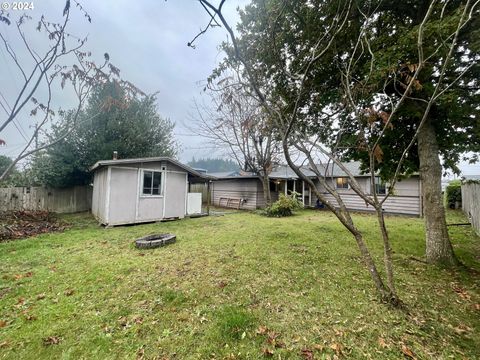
x: 147, y: 40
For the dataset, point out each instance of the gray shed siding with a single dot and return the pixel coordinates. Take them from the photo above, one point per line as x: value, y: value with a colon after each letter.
x: 117, y: 196
x: 99, y: 195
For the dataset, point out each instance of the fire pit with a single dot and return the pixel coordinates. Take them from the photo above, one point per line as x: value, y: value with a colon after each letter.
x: 154, y: 241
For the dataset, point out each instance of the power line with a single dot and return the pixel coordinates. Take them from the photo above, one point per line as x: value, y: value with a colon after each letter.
x: 17, y: 125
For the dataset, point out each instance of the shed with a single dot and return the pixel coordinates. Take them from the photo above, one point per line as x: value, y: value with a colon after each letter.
x: 130, y: 191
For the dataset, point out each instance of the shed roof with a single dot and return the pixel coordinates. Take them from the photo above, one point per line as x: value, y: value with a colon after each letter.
x: 187, y: 168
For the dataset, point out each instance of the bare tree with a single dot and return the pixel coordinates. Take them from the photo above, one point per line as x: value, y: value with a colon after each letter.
x: 236, y: 121
x: 63, y: 65
x: 293, y: 135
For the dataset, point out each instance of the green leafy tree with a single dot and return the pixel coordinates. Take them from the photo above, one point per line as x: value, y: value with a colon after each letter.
x: 372, y: 62
x: 5, y: 162
x: 301, y: 61
x: 127, y: 124
x: 440, y: 109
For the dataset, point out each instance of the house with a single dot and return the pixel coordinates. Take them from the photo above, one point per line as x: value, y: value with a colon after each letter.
x: 130, y: 191
x: 245, y: 191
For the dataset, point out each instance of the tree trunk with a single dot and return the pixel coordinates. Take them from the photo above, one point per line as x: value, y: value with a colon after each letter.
x: 387, y: 253
x: 266, y: 189
x: 438, y: 247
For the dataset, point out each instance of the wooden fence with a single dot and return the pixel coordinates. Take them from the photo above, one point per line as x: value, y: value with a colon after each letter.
x: 68, y: 200
x: 471, y: 203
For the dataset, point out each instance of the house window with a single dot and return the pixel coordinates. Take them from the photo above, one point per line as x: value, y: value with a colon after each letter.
x: 342, y: 183
x: 274, y: 186
x: 152, y: 181
x: 380, y: 186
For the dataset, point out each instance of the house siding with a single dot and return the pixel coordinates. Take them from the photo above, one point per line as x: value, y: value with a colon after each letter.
x: 246, y: 189
x: 405, y: 199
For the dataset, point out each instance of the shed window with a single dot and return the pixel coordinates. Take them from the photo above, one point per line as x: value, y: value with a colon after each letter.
x: 342, y: 183
x: 152, y: 181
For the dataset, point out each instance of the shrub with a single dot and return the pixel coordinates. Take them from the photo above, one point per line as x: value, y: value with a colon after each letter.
x: 284, y: 206
x: 453, y: 193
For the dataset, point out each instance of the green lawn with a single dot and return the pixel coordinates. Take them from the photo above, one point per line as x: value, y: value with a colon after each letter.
x: 239, y: 286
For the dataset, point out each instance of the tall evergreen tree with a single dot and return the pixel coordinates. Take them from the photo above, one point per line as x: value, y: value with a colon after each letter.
x: 112, y: 121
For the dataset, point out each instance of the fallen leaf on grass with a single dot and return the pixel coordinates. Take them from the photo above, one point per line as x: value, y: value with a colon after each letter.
x: 273, y: 340
x: 140, y: 353
x: 51, y: 340
x: 462, y: 292
x: 476, y: 306
x: 337, y: 348
x: 382, y: 343
x: 407, y: 352
x: 462, y: 329
x: 20, y: 301
x: 267, y: 352
x: 122, y: 320
x: 3, y: 323
x: 138, y: 320
x: 307, y: 354
x: 272, y: 335
x: 262, y: 330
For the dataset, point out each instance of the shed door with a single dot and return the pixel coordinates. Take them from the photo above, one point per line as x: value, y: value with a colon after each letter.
x: 175, y: 193
x: 123, y: 195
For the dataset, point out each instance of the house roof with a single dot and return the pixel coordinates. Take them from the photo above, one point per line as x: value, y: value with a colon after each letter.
x: 187, y: 168
x: 286, y: 172
x: 233, y: 175
x: 471, y: 177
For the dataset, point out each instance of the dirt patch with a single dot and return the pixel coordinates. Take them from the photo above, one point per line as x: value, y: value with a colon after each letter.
x: 23, y: 224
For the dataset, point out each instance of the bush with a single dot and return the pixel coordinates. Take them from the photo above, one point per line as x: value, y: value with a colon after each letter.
x: 284, y: 206
x: 453, y: 193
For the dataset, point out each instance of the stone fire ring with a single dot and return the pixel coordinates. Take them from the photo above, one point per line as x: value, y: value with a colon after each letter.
x: 154, y: 241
